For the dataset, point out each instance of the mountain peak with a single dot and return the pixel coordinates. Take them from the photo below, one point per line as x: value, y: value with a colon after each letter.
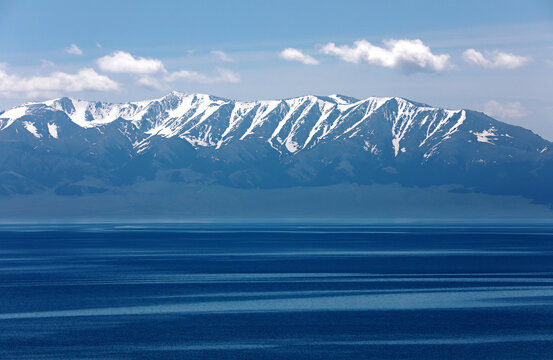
x: 343, y: 99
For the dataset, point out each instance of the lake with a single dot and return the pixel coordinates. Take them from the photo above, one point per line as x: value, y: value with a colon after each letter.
x: 206, y: 291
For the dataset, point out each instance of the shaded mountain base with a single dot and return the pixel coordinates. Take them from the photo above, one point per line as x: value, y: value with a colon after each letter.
x: 166, y: 201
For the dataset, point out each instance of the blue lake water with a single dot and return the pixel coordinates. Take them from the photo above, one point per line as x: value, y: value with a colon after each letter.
x: 276, y: 292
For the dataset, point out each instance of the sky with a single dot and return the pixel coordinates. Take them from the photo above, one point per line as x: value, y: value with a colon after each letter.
x: 491, y: 56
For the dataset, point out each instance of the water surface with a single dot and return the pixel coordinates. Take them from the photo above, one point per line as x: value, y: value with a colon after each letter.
x: 276, y: 292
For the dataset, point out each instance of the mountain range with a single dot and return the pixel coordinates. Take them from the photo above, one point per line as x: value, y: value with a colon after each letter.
x: 71, y: 147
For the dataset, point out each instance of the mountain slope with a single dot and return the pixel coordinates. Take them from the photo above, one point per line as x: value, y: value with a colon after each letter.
x: 75, y: 147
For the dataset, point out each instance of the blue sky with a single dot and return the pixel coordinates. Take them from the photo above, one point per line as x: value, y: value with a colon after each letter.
x: 494, y: 56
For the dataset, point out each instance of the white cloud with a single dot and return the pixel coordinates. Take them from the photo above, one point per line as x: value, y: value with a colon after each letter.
x: 161, y: 83
x: 223, y: 75
x: 12, y: 85
x: 495, y: 59
x: 123, y: 62
x: 74, y: 50
x: 292, y: 54
x: 504, y: 110
x: 98, y: 45
x: 223, y: 56
x: 151, y: 83
x: 406, y: 55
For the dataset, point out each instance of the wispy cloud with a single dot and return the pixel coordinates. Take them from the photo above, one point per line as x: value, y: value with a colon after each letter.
x: 12, y: 85
x: 46, y: 63
x: 151, y: 82
x: 495, y: 59
x: 504, y: 110
x: 74, y: 50
x: 223, y: 75
x: 406, y: 55
x: 124, y: 62
x: 223, y: 56
x: 292, y: 54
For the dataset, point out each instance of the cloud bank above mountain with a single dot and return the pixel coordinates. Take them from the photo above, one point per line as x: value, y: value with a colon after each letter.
x: 405, y: 55
x: 12, y: 85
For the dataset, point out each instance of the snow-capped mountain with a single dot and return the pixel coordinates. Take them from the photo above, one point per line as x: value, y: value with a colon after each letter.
x: 76, y: 146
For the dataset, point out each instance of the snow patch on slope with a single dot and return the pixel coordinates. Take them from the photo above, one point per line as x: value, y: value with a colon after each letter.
x: 455, y: 127
x: 53, y: 130
x: 486, y: 136
x: 12, y: 115
x: 30, y: 127
x: 263, y: 111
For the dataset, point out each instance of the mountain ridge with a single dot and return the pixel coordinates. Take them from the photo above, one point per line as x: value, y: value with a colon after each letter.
x: 65, y: 144
x: 88, y: 114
